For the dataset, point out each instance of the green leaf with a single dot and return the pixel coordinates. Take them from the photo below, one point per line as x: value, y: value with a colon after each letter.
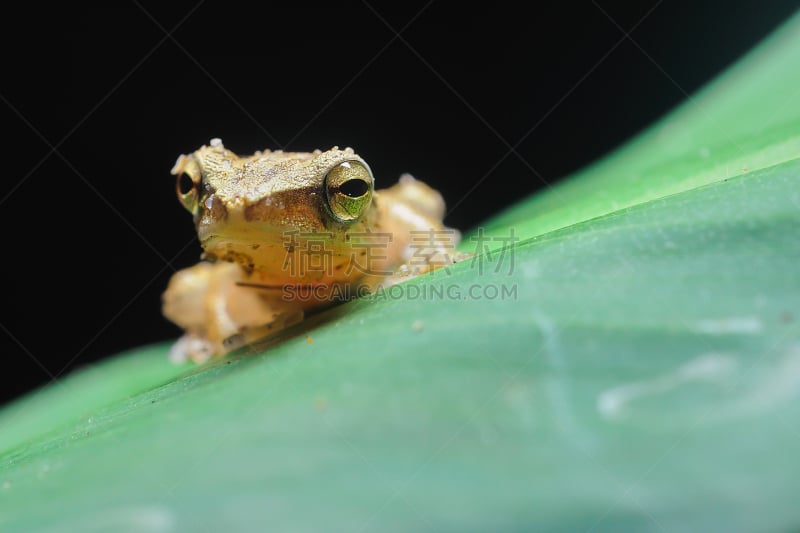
x: 641, y: 370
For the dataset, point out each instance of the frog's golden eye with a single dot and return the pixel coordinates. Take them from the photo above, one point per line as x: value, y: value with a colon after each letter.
x: 187, y: 185
x: 348, y: 187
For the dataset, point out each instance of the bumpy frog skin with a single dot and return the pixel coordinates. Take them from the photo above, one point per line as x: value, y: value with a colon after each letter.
x: 287, y: 232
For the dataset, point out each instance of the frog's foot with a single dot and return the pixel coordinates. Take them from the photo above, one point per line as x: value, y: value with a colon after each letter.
x: 435, y: 262
x: 191, y: 346
x: 220, y: 311
x: 195, y: 347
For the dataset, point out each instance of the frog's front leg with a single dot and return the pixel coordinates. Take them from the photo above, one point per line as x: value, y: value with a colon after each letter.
x: 219, y: 312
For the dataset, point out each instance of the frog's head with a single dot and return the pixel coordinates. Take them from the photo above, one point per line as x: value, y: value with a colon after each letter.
x: 241, y: 204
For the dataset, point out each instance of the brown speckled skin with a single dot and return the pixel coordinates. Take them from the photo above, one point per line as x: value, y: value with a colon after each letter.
x: 251, y: 214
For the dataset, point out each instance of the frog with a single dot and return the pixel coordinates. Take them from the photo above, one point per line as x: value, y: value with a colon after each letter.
x: 285, y: 234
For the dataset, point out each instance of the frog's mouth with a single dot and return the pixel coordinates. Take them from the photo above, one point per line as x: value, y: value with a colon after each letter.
x: 247, y: 250
x: 313, y: 257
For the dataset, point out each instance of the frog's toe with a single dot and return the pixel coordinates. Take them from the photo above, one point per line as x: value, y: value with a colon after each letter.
x: 191, y: 347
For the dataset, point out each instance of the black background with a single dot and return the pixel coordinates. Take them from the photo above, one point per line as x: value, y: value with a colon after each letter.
x: 92, y: 231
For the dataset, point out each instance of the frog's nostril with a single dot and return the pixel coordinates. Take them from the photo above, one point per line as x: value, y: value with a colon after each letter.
x: 354, y: 188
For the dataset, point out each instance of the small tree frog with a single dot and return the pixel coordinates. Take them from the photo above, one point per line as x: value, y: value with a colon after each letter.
x: 284, y: 233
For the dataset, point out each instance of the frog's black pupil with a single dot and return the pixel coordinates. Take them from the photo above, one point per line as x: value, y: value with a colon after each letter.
x: 354, y: 188
x: 185, y: 184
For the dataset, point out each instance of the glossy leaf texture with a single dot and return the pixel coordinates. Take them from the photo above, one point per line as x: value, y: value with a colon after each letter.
x: 632, y: 363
